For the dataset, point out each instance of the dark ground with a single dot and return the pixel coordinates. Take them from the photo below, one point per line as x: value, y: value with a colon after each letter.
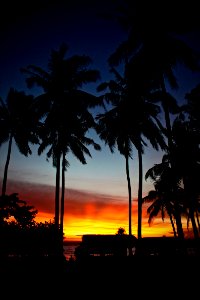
x: 100, y: 278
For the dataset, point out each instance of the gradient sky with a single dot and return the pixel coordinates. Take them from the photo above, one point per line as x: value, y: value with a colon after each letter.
x: 96, y: 194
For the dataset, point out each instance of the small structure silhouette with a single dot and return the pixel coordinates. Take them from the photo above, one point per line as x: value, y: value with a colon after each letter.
x: 105, y: 245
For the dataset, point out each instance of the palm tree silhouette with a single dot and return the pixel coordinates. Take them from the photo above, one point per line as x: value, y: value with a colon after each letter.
x: 63, y: 135
x: 192, y: 108
x: 187, y: 158
x: 18, y: 122
x: 164, y: 196
x: 158, y: 49
x: 179, y: 185
x: 64, y: 106
x: 159, y: 203
x: 124, y: 127
x: 192, y: 111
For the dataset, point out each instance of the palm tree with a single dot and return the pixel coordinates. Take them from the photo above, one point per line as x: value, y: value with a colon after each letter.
x: 159, y: 203
x: 112, y: 129
x: 168, y: 180
x: 162, y: 198
x: 192, y: 112
x: 157, y: 49
x: 63, y: 135
x: 18, y: 122
x: 168, y: 196
x: 192, y: 108
x: 62, y: 85
x: 126, y: 127
x: 187, y: 158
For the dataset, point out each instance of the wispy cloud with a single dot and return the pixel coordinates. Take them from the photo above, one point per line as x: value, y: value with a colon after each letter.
x: 86, y: 212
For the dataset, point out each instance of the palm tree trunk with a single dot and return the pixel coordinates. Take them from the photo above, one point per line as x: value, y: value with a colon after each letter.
x: 62, y: 208
x: 173, y: 226
x: 170, y: 152
x: 140, y: 193
x: 191, y: 197
x: 194, y: 225
x: 129, y: 202
x: 129, y: 197
x: 179, y: 226
x: 167, y: 119
x: 197, y: 217
x: 57, y: 192
x: 6, y: 166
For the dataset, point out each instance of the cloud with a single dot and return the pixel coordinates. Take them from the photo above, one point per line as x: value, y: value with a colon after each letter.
x: 78, y: 203
x: 86, y: 212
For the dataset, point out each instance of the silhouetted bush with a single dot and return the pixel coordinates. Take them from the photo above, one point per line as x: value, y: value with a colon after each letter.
x: 20, y: 235
x: 40, y: 239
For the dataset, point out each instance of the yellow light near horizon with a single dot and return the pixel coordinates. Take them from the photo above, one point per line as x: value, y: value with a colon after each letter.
x: 76, y: 228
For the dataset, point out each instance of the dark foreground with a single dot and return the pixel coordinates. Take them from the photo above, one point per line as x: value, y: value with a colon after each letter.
x: 54, y: 268
x: 100, y: 277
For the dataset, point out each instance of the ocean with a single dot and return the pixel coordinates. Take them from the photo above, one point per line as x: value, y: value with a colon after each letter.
x: 69, y: 248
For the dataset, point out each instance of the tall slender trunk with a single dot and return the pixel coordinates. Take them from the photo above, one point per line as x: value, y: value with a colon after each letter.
x: 57, y: 192
x: 167, y: 120
x: 170, y: 153
x: 129, y: 197
x: 140, y: 193
x: 129, y: 201
x: 6, y: 166
x: 62, y: 207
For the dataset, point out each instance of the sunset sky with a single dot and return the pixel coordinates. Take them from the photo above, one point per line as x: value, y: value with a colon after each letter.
x: 96, y: 199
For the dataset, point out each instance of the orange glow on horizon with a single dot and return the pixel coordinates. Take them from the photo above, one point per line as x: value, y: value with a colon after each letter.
x: 74, y: 228
x: 89, y: 213
x: 106, y: 221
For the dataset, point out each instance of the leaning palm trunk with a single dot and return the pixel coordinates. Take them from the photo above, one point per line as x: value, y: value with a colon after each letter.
x: 140, y: 193
x: 191, y: 197
x: 172, y: 223
x: 179, y: 226
x: 6, y: 166
x: 130, y: 201
x: 194, y: 225
x: 197, y: 218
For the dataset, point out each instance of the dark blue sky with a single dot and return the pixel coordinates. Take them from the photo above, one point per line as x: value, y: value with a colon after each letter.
x: 28, y: 33
x: 29, y: 39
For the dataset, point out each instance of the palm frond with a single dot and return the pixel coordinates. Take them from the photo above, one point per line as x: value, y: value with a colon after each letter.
x: 102, y: 86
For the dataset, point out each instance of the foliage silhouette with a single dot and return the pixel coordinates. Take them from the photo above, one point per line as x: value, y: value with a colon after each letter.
x: 158, y: 50
x: 65, y: 109
x: 123, y: 126
x: 20, y: 234
x: 18, y: 122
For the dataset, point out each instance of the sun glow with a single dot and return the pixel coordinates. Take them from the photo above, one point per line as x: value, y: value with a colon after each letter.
x: 106, y: 220
x: 90, y: 213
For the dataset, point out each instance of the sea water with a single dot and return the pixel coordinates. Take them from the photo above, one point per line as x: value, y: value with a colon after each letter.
x: 69, y: 249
